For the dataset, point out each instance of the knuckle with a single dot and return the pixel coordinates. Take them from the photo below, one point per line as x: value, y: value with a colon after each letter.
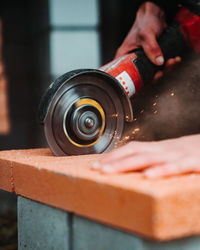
x: 145, y: 34
x: 142, y: 35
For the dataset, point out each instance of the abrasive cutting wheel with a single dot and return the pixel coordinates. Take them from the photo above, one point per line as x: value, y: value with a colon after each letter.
x: 83, y: 113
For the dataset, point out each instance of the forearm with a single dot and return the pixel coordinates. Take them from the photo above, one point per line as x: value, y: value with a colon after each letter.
x: 169, y: 6
x: 150, y: 9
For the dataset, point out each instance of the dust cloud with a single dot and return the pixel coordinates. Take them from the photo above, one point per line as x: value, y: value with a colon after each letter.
x: 171, y: 108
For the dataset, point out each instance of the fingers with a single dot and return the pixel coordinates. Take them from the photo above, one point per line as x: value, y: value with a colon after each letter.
x: 156, y: 159
x: 123, y: 50
x: 172, y: 168
x: 173, y: 61
x: 170, y: 64
x: 158, y: 75
x: 132, y: 163
x: 130, y: 149
x: 118, y: 153
x: 177, y: 59
x: 151, y: 47
x: 132, y: 156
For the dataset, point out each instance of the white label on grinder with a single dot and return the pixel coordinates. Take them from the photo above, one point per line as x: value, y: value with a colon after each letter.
x: 127, y: 83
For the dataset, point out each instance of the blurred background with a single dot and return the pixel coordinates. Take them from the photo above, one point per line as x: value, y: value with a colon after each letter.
x: 39, y: 41
x: 43, y: 39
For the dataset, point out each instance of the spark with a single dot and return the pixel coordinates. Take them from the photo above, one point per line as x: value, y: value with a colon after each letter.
x: 172, y: 94
x: 126, y: 138
x: 114, y: 115
x: 154, y: 104
x: 135, y: 130
x: 141, y: 111
x: 155, y: 112
x: 135, y: 119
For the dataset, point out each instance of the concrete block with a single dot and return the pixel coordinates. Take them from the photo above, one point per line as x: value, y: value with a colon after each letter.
x: 44, y: 227
x: 190, y: 243
x: 41, y: 227
x: 74, y: 12
x: 89, y: 235
x: 71, y: 50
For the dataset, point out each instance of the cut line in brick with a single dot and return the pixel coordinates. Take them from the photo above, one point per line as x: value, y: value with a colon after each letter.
x: 160, y: 209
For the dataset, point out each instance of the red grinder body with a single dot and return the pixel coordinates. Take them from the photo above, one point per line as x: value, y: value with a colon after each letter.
x: 130, y: 72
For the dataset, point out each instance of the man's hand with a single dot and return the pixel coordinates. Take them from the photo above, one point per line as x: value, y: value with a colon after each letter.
x: 155, y: 159
x: 148, y: 26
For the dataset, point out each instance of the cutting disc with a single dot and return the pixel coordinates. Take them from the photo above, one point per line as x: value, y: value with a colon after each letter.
x: 85, y: 114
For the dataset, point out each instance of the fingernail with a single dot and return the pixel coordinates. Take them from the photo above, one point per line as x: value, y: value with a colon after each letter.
x: 96, y: 165
x: 159, y: 60
x: 107, y: 169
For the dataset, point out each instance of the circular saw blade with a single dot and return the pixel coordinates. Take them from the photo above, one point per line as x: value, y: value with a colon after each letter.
x: 85, y: 116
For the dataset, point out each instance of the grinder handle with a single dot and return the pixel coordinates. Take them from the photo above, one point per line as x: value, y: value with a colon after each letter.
x: 172, y: 44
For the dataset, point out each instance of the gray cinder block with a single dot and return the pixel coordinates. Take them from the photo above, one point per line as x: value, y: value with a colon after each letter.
x: 41, y: 227
x: 90, y: 235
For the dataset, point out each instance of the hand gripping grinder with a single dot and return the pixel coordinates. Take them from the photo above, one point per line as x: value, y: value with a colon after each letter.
x: 85, y: 111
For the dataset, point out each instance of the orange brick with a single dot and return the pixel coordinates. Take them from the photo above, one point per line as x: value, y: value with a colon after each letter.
x: 160, y: 209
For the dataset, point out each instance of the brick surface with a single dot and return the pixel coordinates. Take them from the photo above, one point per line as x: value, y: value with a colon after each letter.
x: 160, y: 209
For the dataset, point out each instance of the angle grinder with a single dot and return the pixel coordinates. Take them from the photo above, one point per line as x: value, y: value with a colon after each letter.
x: 85, y: 111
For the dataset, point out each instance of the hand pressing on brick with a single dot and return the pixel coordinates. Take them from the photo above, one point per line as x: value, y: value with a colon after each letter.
x: 155, y: 159
x: 148, y: 26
